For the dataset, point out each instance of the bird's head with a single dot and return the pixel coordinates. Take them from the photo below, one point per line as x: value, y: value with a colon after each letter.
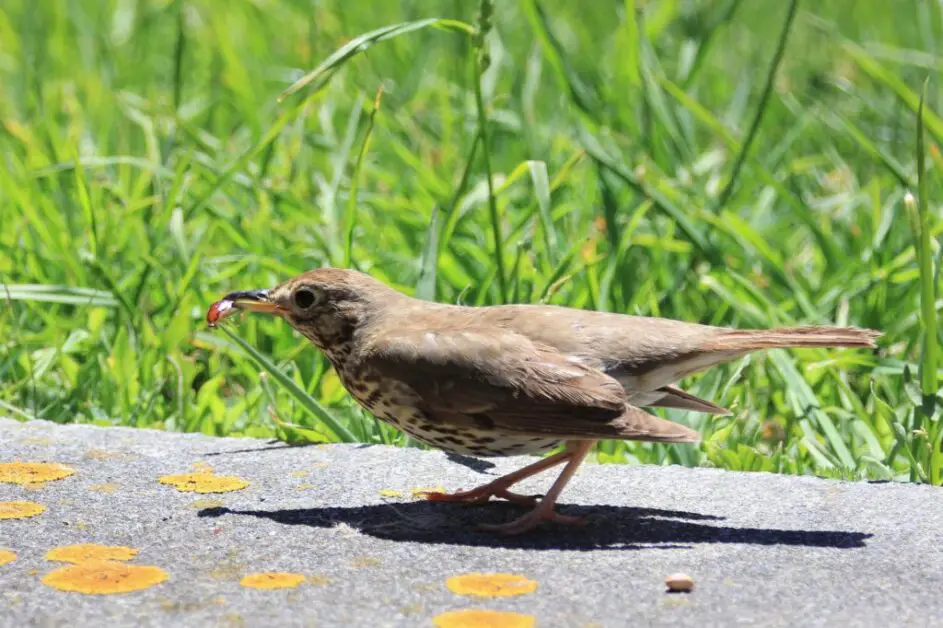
x: 327, y: 305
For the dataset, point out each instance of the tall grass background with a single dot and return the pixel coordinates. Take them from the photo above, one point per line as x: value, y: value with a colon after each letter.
x: 735, y: 163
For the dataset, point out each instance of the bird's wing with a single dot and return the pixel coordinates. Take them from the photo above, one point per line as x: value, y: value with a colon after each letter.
x: 495, y: 379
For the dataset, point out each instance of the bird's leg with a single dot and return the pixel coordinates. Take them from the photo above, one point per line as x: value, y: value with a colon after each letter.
x: 544, y: 511
x: 499, y: 488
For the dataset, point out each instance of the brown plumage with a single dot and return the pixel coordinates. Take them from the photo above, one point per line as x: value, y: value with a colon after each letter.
x: 513, y: 379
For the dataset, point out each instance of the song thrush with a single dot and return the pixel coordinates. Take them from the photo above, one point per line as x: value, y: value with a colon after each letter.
x: 511, y: 379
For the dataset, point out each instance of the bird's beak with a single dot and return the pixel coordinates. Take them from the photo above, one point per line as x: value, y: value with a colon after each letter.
x: 253, y: 301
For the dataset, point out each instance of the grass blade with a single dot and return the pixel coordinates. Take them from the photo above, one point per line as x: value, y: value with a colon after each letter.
x: 811, y: 406
x: 425, y: 286
x: 595, y: 150
x: 343, y: 434
x: 351, y: 217
x: 928, y: 376
x: 927, y: 423
x: 930, y: 120
x: 582, y: 95
x: 761, y: 108
x: 179, y: 48
x: 541, y: 181
x: 359, y: 44
x: 58, y: 294
x: 482, y: 62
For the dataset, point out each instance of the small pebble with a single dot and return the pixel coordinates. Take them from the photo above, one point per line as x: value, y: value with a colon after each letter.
x: 680, y: 583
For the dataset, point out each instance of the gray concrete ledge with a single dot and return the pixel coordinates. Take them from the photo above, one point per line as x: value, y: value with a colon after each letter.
x: 763, y: 549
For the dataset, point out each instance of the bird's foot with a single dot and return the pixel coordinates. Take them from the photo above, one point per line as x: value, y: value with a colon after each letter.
x: 531, y: 520
x: 482, y: 494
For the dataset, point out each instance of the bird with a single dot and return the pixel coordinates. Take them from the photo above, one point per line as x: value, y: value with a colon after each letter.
x: 515, y: 379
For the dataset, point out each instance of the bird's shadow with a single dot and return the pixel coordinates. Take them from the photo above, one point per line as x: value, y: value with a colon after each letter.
x: 475, y: 464
x: 609, y: 527
x: 272, y: 445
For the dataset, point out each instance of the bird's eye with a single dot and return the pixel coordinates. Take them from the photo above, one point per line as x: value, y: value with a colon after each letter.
x: 304, y: 298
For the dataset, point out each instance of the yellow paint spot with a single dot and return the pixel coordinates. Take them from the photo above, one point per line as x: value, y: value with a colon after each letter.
x: 365, y: 561
x: 491, y: 584
x: 204, y: 482
x: 86, y: 552
x: 272, y: 580
x: 200, y: 504
x: 389, y: 492
x: 104, y: 577
x: 108, y: 488
x: 304, y: 487
x: 472, y: 618
x: 421, y: 492
x: 6, y: 556
x: 299, y: 474
x: 20, y: 510
x: 201, y: 466
x: 33, y: 472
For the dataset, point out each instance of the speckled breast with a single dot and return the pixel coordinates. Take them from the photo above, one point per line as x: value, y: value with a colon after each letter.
x: 395, y: 403
x: 470, y: 442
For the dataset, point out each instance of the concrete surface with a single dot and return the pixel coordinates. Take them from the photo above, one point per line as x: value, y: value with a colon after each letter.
x: 764, y: 550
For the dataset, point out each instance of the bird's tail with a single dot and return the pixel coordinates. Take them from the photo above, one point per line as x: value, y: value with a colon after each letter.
x: 747, y: 340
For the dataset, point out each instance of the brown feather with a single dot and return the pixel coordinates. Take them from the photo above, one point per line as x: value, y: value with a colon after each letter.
x: 503, y: 381
x: 744, y: 340
x: 674, y: 397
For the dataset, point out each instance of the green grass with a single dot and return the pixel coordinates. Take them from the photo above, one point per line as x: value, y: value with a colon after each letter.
x: 733, y: 163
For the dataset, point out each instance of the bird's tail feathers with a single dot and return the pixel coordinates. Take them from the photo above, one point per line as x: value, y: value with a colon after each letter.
x: 746, y: 340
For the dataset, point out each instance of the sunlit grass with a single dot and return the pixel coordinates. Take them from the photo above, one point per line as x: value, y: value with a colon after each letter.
x: 732, y: 163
